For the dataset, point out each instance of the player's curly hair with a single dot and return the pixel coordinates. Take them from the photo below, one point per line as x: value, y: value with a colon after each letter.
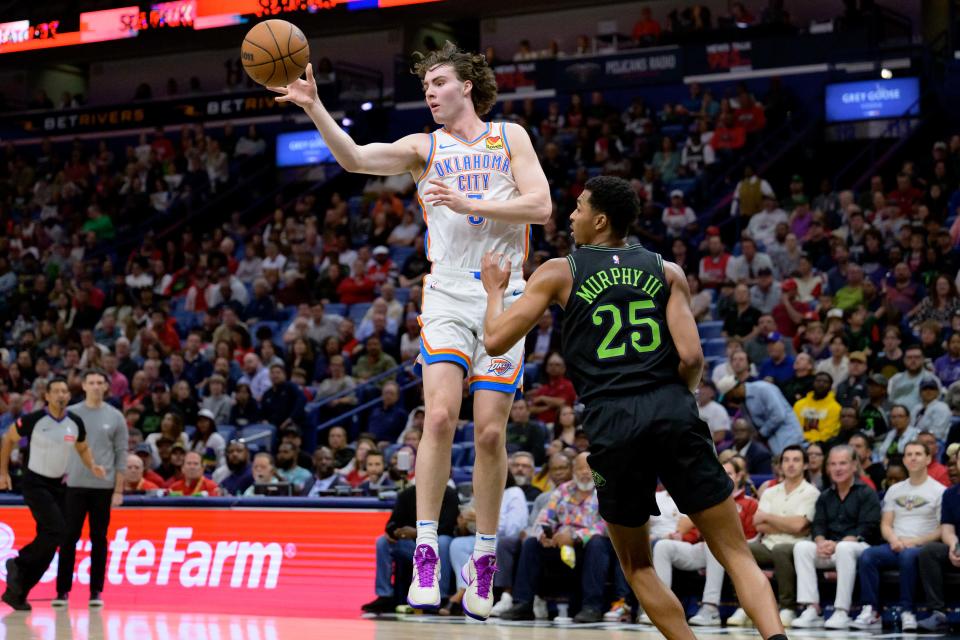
x: 467, y: 66
x: 615, y: 198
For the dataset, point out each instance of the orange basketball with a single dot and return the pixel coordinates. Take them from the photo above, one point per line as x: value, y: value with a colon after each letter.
x: 275, y: 53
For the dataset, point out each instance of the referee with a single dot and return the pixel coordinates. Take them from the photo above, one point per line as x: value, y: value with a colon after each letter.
x: 51, y: 434
x: 88, y: 494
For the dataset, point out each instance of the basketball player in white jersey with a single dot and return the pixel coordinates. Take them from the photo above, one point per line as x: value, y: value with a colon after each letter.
x: 480, y: 185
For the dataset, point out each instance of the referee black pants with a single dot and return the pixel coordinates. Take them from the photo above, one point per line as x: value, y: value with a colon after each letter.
x: 44, y: 496
x: 80, y: 503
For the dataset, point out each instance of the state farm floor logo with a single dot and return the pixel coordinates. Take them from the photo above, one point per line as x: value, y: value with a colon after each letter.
x: 180, y: 560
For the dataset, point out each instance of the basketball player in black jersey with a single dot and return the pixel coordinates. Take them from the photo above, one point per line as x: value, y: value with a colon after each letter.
x: 634, y: 355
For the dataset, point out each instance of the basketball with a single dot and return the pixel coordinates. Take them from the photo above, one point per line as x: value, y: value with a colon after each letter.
x: 275, y: 53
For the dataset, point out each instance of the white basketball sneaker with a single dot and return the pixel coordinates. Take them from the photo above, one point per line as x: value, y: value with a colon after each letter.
x: 478, y: 574
x: 424, y: 592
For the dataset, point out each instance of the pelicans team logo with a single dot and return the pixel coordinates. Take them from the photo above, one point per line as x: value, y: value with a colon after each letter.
x: 616, y: 259
x: 494, y: 143
x: 500, y: 366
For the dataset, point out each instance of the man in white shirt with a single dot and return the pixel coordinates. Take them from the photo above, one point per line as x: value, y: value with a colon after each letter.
x: 712, y: 412
x: 747, y: 266
x: 783, y: 519
x: 932, y: 414
x: 911, y: 519
x: 763, y: 224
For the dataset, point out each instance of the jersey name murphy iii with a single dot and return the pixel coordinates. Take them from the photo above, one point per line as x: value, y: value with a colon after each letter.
x: 615, y: 336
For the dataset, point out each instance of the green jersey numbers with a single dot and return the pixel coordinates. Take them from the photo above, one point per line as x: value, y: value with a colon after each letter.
x: 641, y: 341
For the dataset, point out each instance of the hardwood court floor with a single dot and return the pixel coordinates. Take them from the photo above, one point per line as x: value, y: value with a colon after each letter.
x: 45, y: 623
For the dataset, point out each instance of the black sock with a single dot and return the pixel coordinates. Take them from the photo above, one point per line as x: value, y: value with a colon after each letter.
x: 778, y: 636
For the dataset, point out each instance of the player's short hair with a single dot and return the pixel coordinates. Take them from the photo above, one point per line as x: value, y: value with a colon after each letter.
x: 467, y: 66
x: 615, y: 198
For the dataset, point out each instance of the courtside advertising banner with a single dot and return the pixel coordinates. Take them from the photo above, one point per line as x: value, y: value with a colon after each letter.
x: 319, y: 563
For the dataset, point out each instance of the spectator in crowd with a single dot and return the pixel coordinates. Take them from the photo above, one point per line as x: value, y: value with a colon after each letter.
x: 904, y: 387
x: 387, y: 420
x: 712, y: 412
x: 264, y: 472
x: 838, y: 364
x: 236, y: 476
x: 339, y: 446
x: 935, y: 470
x: 246, y: 409
x: 746, y: 267
x: 550, y: 397
x: 217, y: 402
x: 133, y: 481
x: 374, y: 362
x: 171, y: 429
x: 678, y: 218
x: 289, y: 470
x: 875, y: 412
x: 947, y: 366
x: 741, y: 320
x: 542, y: 341
x: 713, y: 266
x: 692, y: 554
x: 207, y: 442
x: 763, y: 224
x: 325, y: 477
x: 524, y: 434
x: 863, y: 447
x: 256, y: 376
x: 745, y: 443
x: 852, y: 391
x: 646, y: 31
x: 845, y: 524
x: 193, y: 482
x: 778, y: 367
x: 376, y: 478
x: 283, y: 403
x: 522, y: 467
x: 571, y: 518
x: 901, y: 433
x: 911, y: 519
x: 783, y: 518
x: 819, y: 412
x: 396, y: 547
x: 771, y: 414
x: 937, y: 556
x: 931, y: 414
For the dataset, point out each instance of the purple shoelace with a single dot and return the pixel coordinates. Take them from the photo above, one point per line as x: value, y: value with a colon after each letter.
x: 486, y: 567
x: 426, y: 560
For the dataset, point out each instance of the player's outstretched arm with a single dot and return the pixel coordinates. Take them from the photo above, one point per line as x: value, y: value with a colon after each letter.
x: 379, y: 159
x: 549, y: 284
x: 532, y: 206
x: 683, y: 326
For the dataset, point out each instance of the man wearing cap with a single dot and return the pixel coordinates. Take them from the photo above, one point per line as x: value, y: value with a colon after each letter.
x: 155, y: 407
x: 746, y: 267
x: 678, y: 217
x: 765, y: 294
x: 875, y: 410
x: 713, y: 266
x: 788, y: 314
x: 796, y: 195
x: 778, y: 367
x: 763, y: 224
x: 932, y: 414
x: 853, y: 390
x: 88, y: 495
x: 763, y: 404
x: 819, y: 412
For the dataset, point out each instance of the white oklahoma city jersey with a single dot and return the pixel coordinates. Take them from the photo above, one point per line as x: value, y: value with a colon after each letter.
x: 480, y: 169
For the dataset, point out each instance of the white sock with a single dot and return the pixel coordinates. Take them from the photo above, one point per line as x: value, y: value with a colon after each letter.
x: 427, y: 534
x: 484, y: 544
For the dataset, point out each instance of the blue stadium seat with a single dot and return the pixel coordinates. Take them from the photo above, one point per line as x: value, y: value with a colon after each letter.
x: 229, y: 432
x: 456, y: 454
x: 715, y: 347
x: 687, y: 185
x: 400, y: 254
x: 462, y: 474
x: 710, y: 329
x: 464, y: 433
x: 262, y: 434
x: 357, y: 311
x: 335, y: 309
x: 469, y: 454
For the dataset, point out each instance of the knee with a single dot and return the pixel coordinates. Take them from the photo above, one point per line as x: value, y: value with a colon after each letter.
x: 383, y: 543
x: 909, y: 556
x: 805, y: 549
x: 489, y: 438
x: 440, y: 421
x: 848, y: 548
